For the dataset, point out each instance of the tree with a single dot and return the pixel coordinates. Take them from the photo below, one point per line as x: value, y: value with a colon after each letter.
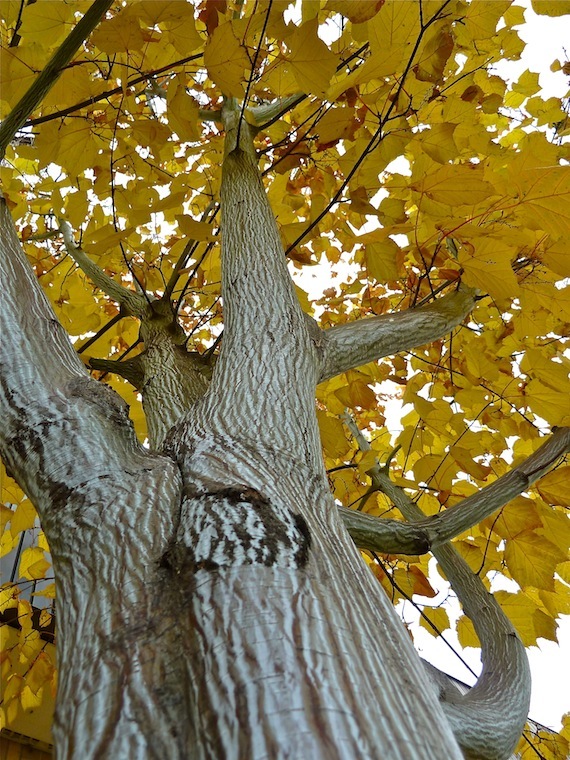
x: 211, y: 599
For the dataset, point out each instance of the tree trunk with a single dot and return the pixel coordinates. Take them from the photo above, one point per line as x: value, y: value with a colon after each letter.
x: 210, y: 601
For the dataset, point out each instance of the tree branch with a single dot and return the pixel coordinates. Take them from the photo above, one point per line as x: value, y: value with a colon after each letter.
x: 357, y: 343
x: 51, y: 72
x: 59, y: 427
x: 379, y: 534
x: 109, y: 93
x: 441, y: 528
x: 472, y: 510
x: 488, y: 721
x: 186, y: 253
x: 267, y: 113
x: 133, y: 304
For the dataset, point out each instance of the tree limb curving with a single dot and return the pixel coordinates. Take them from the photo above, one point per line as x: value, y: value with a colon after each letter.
x: 488, y: 721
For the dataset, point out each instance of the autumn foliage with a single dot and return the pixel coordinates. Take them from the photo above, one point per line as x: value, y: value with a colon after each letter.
x: 401, y: 162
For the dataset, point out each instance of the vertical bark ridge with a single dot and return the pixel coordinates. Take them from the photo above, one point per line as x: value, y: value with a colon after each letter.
x: 119, y: 648
x: 267, y: 367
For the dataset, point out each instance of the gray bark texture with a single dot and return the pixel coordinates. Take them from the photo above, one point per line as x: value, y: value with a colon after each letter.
x: 211, y: 603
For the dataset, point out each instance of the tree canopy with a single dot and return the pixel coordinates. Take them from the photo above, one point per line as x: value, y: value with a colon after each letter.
x: 396, y: 156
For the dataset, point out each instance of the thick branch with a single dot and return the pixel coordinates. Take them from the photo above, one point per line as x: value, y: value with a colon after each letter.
x: 31, y: 335
x: 51, y: 72
x: 267, y: 113
x: 489, y: 720
x: 378, y: 534
x: 58, y: 426
x: 357, y: 343
x: 133, y: 304
x: 131, y: 369
x: 268, y: 358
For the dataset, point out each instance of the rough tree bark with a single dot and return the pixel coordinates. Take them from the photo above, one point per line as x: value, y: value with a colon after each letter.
x: 211, y: 602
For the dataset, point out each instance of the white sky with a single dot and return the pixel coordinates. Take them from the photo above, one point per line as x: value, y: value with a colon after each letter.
x: 547, y: 38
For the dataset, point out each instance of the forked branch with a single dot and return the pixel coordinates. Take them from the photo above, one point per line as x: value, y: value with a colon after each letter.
x: 437, y: 530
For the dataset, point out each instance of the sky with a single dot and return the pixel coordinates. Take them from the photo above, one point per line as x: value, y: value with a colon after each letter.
x: 547, y: 38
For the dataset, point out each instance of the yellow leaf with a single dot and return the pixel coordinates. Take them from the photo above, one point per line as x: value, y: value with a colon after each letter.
x: 556, y: 258
x: 103, y: 240
x: 518, y: 515
x: 40, y: 673
x: 556, y: 602
x: 335, y: 124
x: 489, y: 269
x: 436, y: 471
x: 312, y: 62
x: 193, y: 229
x: 17, y: 71
x: 479, y: 552
x: 556, y: 528
x: 176, y: 18
x: 45, y: 618
x: 333, y: 435
x: 383, y: 260
x: 360, y: 395
x: 553, y: 406
x: 120, y: 33
x: 437, y: 616
x: 150, y: 133
x: 13, y: 687
x: 226, y: 60
x: 466, y: 633
x: 50, y: 20
x: 6, y: 512
x: 529, y: 621
x: 23, y: 518
x: 49, y: 591
x: 465, y: 460
x: 303, y: 297
x: 392, y: 33
x: 553, y: 374
x: 33, y: 564
x: 551, y: 7
x: 434, y: 55
x: 455, y: 185
x: 366, y: 461
x: 544, y: 194
x: 31, y: 644
x: 28, y: 699
x: 69, y: 144
x: 555, y: 487
x: 7, y: 543
x: 183, y: 111
x: 8, y: 597
x: 12, y: 711
x: 10, y: 11
x: 356, y: 11
x: 527, y: 84
x: 438, y: 143
x: 532, y: 560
